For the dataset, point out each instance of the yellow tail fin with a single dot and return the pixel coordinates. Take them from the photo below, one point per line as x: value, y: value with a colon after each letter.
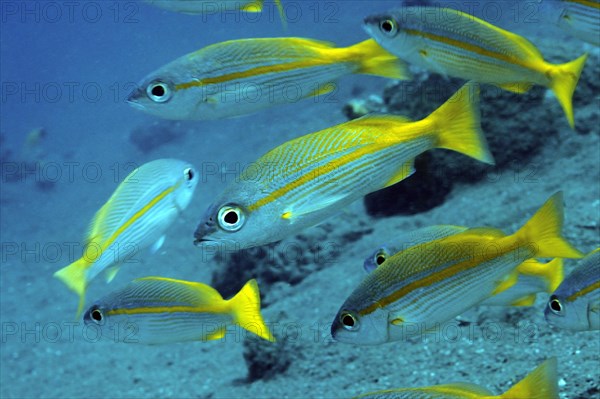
x: 542, y: 233
x: 245, y: 306
x: 374, y: 60
x: 564, y: 80
x: 74, y: 277
x: 457, y: 124
x: 541, y: 383
x: 552, y: 273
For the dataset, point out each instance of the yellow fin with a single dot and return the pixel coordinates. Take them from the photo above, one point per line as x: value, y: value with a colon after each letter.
x: 220, y: 333
x: 564, y: 80
x: 397, y: 322
x: 406, y: 170
x: 552, y: 273
x: 324, y: 89
x: 245, y: 309
x: 542, y: 233
x: 457, y: 124
x: 74, y: 277
x: 110, y: 273
x: 375, y: 60
x: 541, y: 383
x: 255, y: 6
x: 505, y: 284
x: 527, y: 300
x: 518, y: 87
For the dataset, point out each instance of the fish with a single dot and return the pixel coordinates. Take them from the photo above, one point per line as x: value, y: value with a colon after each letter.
x: 212, y: 6
x: 240, y: 77
x: 541, y: 383
x: 581, y: 19
x: 454, y: 43
x: 136, y: 216
x: 431, y: 283
x: 307, y: 179
x: 575, y: 305
x: 532, y: 276
x: 159, y: 310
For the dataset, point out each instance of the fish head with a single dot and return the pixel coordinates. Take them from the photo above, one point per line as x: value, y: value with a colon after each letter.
x: 377, y: 258
x: 163, y: 94
x: 389, y: 31
x: 568, y: 315
x: 352, y: 327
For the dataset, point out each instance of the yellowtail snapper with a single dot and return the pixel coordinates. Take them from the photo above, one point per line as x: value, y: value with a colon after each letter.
x: 239, y: 77
x: 430, y: 283
x: 575, y: 305
x: 541, y: 383
x: 454, y: 43
x: 305, y: 180
x: 157, y: 310
x: 135, y: 217
x: 533, y: 277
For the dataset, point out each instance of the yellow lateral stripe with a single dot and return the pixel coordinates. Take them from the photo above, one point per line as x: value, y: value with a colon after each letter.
x: 585, y: 291
x: 138, y: 215
x: 321, y: 171
x: 163, y: 309
x: 586, y: 3
x: 262, y: 70
x: 469, y: 47
x: 424, y: 282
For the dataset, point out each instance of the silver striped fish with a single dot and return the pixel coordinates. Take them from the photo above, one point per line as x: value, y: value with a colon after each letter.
x: 305, y: 180
x: 454, y: 43
x: 429, y: 284
x: 239, y: 77
x: 529, y: 278
x: 135, y: 217
x: 158, y: 310
x: 581, y: 19
x: 575, y: 305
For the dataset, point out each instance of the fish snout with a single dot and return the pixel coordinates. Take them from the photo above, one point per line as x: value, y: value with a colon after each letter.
x: 135, y: 96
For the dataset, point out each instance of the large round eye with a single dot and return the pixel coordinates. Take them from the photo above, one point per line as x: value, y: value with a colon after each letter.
x: 380, y: 257
x: 189, y: 174
x: 389, y: 27
x: 158, y: 92
x: 230, y: 218
x: 349, y: 321
x: 97, y: 316
x: 555, y: 305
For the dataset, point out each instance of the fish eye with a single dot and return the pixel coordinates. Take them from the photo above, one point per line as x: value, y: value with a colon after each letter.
x: 555, y: 305
x: 158, y: 92
x: 97, y: 316
x: 348, y: 320
x: 189, y: 174
x: 230, y: 218
x: 380, y: 257
x: 388, y: 27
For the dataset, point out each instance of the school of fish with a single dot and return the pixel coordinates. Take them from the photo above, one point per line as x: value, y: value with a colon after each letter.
x: 425, y: 277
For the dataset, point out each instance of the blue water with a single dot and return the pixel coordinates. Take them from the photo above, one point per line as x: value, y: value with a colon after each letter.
x: 67, y: 67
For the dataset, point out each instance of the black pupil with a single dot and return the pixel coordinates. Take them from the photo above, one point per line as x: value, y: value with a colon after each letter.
x: 158, y: 91
x: 231, y: 217
x: 555, y: 305
x: 348, y: 320
x: 189, y: 174
x: 97, y: 315
x: 380, y: 259
x: 387, y: 26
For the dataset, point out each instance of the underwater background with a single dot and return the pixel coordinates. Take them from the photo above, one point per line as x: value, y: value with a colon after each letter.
x: 68, y: 139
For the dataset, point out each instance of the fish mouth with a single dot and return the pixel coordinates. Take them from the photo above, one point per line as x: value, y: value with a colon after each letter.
x: 204, y: 240
x: 134, y: 97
